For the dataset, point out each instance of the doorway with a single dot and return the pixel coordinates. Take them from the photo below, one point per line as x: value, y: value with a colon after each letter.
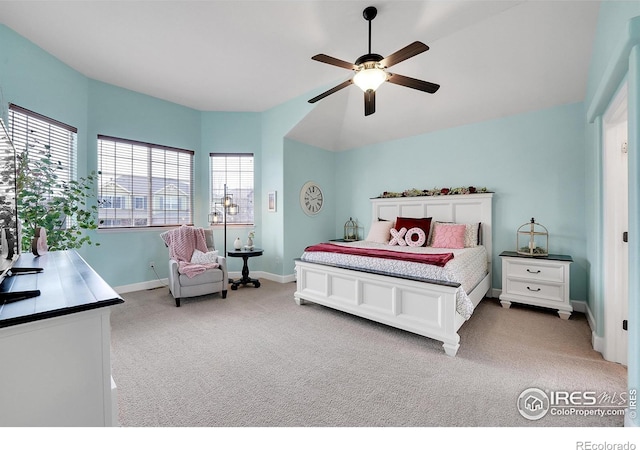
x: 615, y: 223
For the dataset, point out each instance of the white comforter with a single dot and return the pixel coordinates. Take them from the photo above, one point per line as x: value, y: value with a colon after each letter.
x: 468, y: 266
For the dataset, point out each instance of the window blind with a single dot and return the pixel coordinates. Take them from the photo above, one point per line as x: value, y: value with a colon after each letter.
x: 44, y: 137
x: 143, y: 185
x: 236, y: 170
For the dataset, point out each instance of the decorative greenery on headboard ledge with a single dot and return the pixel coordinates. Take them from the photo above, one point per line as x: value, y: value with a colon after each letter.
x: 435, y: 191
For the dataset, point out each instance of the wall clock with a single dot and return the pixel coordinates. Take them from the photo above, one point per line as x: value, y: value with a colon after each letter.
x: 311, y: 198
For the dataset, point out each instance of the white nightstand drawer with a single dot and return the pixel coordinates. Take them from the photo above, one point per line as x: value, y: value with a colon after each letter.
x: 536, y: 271
x: 536, y: 281
x: 552, y: 292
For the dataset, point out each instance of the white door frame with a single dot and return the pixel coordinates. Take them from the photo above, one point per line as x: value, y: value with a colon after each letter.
x: 615, y: 222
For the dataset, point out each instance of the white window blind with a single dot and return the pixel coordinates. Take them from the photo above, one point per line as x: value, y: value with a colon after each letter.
x: 143, y: 185
x: 44, y: 137
x: 236, y: 171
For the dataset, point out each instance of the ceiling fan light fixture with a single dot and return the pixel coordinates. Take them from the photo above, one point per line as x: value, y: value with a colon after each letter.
x: 369, y: 79
x: 370, y: 70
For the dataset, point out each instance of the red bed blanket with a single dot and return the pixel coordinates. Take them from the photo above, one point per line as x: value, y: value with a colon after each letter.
x: 437, y: 259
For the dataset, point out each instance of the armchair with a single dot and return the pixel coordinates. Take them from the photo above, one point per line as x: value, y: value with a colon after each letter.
x: 210, y: 281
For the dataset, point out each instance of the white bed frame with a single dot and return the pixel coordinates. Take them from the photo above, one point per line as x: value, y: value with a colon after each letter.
x: 427, y: 309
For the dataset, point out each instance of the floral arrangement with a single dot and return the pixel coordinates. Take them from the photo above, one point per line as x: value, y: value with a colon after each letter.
x: 252, y: 234
x: 435, y: 191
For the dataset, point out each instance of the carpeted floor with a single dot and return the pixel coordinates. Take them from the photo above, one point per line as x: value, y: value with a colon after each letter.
x: 256, y: 359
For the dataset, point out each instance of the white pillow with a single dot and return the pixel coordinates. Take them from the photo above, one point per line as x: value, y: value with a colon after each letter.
x: 199, y: 257
x: 380, y: 231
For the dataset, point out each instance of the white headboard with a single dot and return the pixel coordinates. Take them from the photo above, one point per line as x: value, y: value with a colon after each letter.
x: 461, y: 208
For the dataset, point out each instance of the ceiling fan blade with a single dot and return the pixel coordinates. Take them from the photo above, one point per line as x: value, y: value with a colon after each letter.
x: 334, y: 61
x: 413, y: 83
x: 369, y: 102
x: 407, y: 52
x: 331, y: 91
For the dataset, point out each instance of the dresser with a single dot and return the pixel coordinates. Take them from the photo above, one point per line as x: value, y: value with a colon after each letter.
x: 55, y: 356
x: 539, y: 281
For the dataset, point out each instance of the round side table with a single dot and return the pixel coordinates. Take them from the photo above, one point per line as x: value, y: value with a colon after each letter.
x: 245, y: 255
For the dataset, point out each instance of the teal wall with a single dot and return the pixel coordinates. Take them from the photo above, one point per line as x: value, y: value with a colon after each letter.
x: 304, y: 163
x: 615, y: 59
x: 273, y: 235
x: 227, y: 132
x: 611, y: 30
x: 123, y: 256
x: 533, y: 162
x: 33, y: 79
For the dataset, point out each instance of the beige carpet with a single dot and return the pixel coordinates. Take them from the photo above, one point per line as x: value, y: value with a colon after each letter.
x: 257, y: 359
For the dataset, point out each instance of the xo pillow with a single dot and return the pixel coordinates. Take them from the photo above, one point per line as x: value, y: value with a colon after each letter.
x: 448, y: 235
x: 415, y: 237
x: 409, y: 222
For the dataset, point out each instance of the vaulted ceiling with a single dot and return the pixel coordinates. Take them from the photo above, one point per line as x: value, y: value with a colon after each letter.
x: 491, y: 58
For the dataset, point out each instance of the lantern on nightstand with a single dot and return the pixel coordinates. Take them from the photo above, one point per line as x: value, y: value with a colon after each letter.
x: 350, y: 230
x: 532, y: 239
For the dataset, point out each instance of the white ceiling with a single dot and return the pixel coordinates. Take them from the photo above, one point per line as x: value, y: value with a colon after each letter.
x: 491, y: 58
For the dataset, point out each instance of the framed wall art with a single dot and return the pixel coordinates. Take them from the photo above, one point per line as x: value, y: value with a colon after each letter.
x: 272, y: 202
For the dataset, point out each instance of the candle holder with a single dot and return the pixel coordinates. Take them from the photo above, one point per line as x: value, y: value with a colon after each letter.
x: 532, y: 239
x: 350, y: 230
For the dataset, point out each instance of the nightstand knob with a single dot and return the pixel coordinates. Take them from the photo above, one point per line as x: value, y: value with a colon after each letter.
x: 530, y: 271
x: 534, y: 290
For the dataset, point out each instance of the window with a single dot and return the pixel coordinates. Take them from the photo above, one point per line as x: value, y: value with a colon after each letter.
x: 236, y: 171
x: 44, y: 137
x: 143, y: 185
x: 140, y: 202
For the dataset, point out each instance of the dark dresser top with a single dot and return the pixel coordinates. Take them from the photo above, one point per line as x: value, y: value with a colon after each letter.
x: 548, y: 257
x: 67, y: 284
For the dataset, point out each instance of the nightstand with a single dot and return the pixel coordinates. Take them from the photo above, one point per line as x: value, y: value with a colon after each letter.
x: 540, y: 281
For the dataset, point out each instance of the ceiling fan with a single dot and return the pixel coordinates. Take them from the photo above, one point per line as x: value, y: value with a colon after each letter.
x: 370, y: 70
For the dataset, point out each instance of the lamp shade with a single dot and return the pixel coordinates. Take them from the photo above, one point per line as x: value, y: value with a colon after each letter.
x: 369, y: 79
x: 214, y: 217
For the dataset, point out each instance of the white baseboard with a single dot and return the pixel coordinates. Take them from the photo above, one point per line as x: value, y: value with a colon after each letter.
x: 154, y: 284
x: 266, y: 275
x: 273, y: 277
x: 597, y: 342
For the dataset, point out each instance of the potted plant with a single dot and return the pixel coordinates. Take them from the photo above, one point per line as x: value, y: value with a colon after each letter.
x: 64, y: 209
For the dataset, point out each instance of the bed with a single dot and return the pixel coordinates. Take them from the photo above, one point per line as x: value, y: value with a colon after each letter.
x: 429, y: 304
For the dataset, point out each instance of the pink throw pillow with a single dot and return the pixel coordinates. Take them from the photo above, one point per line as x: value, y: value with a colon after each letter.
x: 448, y: 236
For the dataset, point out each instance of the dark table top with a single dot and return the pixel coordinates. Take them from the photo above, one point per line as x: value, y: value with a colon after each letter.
x: 242, y: 252
x: 67, y: 284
